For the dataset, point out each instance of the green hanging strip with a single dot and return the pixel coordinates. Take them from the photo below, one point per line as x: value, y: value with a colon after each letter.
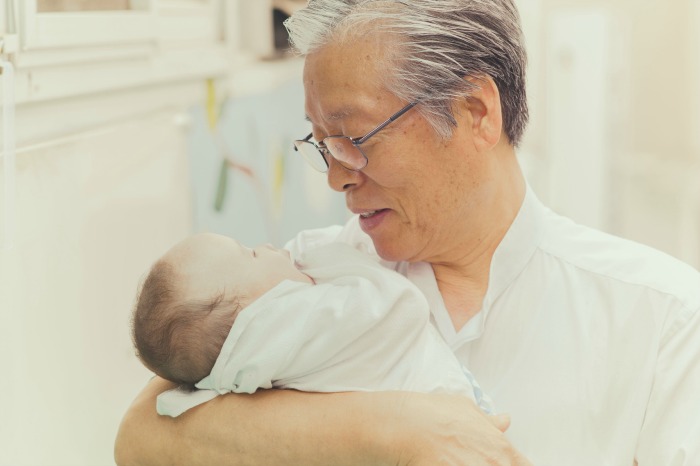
x: 213, y: 112
x: 221, y: 186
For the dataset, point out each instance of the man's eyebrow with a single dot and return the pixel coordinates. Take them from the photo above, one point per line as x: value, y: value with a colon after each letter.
x: 335, y: 116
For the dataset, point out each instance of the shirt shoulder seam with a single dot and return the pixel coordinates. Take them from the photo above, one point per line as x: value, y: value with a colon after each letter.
x: 683, y: 301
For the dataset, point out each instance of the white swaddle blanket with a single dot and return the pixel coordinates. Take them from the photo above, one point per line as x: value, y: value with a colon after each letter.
x: 361, y: 327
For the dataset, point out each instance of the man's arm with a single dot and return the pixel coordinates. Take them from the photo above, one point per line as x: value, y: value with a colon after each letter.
x: 269, y: 427
x: 671, y: 428
x: 296, y: 428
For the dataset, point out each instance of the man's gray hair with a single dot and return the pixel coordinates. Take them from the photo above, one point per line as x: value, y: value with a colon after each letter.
x: 436, y: 45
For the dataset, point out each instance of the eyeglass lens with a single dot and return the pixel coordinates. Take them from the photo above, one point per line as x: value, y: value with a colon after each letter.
x: 340, y: 147
x: 312, y: 155
x: 344, y: 151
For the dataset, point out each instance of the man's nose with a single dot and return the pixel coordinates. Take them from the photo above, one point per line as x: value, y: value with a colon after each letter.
x: 340, y: 178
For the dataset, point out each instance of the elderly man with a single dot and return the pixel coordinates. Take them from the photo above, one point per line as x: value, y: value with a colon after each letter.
x: 590, y: 343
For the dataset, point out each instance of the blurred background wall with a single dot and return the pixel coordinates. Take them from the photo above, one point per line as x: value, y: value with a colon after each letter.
x: 137, y: 123
x: 614, y: 140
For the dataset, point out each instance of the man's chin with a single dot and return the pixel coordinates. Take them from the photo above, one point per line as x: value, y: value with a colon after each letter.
x: 389, y: 250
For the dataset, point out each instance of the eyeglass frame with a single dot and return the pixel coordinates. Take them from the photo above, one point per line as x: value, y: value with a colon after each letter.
x: 356, y: 142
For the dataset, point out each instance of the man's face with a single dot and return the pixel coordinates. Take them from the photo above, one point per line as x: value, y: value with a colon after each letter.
x: 418, y: 194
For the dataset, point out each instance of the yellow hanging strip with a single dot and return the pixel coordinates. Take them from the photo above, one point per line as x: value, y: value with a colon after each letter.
x: 277, y: 177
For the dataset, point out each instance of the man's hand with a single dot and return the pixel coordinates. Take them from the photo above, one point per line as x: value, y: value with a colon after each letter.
x: 450, y: 430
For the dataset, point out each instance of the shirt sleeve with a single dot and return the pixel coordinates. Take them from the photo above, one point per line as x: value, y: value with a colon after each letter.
x: 670, y: 434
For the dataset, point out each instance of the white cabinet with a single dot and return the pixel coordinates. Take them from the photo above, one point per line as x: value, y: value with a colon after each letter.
x: 50, y: 24
x: 67, y: 48
x: 99, y: 188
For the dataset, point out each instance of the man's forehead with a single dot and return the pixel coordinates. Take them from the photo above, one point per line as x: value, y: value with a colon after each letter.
x: 340, y: 84
x: 340, y: 107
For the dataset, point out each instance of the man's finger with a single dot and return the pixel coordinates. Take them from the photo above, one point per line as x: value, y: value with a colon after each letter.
x: 501, y: 421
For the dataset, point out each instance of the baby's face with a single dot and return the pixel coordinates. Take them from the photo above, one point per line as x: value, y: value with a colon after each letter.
x: 215, y: 263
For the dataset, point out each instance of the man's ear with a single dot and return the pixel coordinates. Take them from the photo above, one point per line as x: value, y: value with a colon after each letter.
x: 483, y: 111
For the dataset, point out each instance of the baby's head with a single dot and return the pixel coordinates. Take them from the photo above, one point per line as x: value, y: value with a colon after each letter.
x: 191, y: 297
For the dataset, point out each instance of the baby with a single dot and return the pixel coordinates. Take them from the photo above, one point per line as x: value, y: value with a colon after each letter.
x: 220, y: 317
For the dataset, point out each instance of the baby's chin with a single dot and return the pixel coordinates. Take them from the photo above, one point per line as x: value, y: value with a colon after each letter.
x: 302, y: 277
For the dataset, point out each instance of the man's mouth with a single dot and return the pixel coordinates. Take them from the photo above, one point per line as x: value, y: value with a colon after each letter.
x: 369, y: 214
x: 371, y: 219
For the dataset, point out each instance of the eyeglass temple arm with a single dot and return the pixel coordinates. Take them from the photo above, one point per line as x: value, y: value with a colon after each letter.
x: 383, y: 125
x: 306, y: 139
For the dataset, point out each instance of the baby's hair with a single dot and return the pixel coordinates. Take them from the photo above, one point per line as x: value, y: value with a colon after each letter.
x: 179, y: 339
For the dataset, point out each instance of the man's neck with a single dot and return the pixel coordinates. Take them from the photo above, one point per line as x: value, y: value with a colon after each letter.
x: 463, y: 278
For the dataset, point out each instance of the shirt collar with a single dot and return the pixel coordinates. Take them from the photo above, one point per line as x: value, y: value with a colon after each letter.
x: 516, y: 248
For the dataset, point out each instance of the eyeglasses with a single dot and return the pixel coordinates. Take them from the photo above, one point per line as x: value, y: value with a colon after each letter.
x: 344, y: 149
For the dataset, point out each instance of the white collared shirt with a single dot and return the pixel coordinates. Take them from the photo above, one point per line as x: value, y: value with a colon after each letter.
x: 590, y: 342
